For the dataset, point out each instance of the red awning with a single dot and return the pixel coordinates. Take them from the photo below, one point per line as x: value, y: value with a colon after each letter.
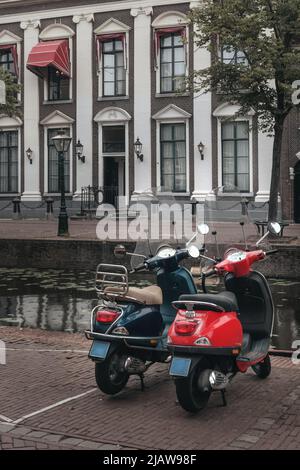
x: 50, y: 54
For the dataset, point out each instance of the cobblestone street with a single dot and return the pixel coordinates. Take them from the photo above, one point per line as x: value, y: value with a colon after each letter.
x: 49, y: 401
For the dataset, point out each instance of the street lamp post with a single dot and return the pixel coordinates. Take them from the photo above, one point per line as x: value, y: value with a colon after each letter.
x: 62, y: 144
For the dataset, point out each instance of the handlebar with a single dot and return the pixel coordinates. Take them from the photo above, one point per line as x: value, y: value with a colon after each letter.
x: 272, y: 252
x: 141, y: 267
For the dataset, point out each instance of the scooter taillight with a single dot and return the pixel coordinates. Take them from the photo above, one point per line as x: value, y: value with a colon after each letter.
x: 185, y: 327
x: 106, y: 316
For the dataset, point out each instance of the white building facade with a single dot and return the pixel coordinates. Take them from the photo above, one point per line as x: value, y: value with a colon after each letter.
x: 108, y: 73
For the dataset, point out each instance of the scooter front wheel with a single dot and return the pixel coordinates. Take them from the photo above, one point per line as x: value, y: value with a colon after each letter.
x: 110, y: 377
x: 191, y: 393
x: 263, y: 368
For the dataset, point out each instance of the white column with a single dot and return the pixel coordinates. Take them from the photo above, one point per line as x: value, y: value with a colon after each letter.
x: 202, y: 115
x: 84, y: 99
x: 31, y: 116
x: 142, y: 100
x: 265, y: 156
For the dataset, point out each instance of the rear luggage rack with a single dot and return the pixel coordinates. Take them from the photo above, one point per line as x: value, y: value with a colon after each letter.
x: 193, y: 305
x: 111, y: 276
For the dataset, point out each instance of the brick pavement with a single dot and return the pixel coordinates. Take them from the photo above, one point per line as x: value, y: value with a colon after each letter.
x: 45, y: 368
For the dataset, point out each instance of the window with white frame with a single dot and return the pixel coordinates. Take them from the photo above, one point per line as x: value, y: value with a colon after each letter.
x: 9, y: 151
x: 53, y: 168
x: 173, y: 157
x: 232, y: 56
x: 112, y: 64
x: 172, y: 62
x: 235, y: 155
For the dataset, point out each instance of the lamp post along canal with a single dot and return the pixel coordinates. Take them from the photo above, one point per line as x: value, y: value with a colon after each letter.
x: 62, y: 144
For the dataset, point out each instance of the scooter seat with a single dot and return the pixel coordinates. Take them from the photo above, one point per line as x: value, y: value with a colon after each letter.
x: 226, y: 300
x: 151, y: 295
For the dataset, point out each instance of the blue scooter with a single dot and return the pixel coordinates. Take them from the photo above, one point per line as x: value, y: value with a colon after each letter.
x: 129, y: 328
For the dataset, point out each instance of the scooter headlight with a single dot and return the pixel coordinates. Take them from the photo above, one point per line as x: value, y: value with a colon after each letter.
x: 203, y: 341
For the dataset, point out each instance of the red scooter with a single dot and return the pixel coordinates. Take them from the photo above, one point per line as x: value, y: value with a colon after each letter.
x: 214, y: 336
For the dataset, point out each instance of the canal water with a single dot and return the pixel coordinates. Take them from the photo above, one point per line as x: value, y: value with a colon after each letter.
x: 62, y: 301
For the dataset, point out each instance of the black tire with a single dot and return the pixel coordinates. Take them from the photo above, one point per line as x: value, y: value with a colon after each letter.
x: 263, y: 368
x: 109, y: 378
x: 190, y: 395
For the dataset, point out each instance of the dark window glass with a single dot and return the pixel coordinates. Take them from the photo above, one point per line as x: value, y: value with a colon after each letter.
x: 235, y: 155
x: 7, y: 61
x: 58, y: 85
x: 8, y: 162
x: 113, y: 139
x: 172, y: 63
x: 114, y: 75
x: 173, y: 157
x: 53, y: 180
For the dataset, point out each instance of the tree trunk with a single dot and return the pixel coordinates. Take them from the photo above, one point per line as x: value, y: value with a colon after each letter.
x: 275, y: 179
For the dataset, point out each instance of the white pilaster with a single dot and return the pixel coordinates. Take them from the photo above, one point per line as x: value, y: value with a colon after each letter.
x: 265, y: 157
x: 142, y: 100
x: 202, y: 115
x: 31, y: 116
x: 84, y: 99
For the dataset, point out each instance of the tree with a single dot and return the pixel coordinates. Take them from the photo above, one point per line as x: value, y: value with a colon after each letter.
x: 11, y: 107
x: 266, y: 32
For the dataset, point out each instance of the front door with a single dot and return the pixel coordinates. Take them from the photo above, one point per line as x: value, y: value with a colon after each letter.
x: 297, y: 194
x: 111, y: 180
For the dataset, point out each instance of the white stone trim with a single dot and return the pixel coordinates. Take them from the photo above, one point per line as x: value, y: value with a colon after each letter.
x: 6, y: 37
x: 169, y: 19
x: 251, y: 159
x: 171, y: 112
x: 187, y: 149
x: 7, y: 121
x: 57, y: 118
x: 111, y: 26
x: 229, y: 110
x: 56, y: 31
x: 46, y: 128
x: 112, y: 114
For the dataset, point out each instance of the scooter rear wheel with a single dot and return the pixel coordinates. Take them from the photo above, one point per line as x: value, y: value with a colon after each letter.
x: 191, y: 396
x: 110, y: 378
x: 263, y: 369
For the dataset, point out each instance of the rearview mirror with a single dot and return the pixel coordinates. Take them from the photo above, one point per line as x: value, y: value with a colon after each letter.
x: 120, y: 251
x: 194, y: 252
x: 274, y: 228
x: 203, y: 229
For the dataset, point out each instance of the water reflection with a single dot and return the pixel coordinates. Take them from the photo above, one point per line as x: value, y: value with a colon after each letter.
x: 62, y: 301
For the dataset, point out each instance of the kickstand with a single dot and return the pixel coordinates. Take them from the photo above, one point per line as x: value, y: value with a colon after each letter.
x: 223, y: 393
x: 141, y: 376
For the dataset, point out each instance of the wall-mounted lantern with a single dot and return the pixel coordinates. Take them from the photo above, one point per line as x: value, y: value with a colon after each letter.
x: 201, y: 148
x: 79, y: 151
x: 138, y: 148
x: 29, y: 153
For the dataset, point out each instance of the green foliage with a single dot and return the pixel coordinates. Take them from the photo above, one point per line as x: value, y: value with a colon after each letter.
x: 267, y: 31
x: 11, y: 107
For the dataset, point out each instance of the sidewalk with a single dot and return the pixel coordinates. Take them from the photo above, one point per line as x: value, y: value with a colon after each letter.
x: 86, y: 230
x: 49, y: 401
